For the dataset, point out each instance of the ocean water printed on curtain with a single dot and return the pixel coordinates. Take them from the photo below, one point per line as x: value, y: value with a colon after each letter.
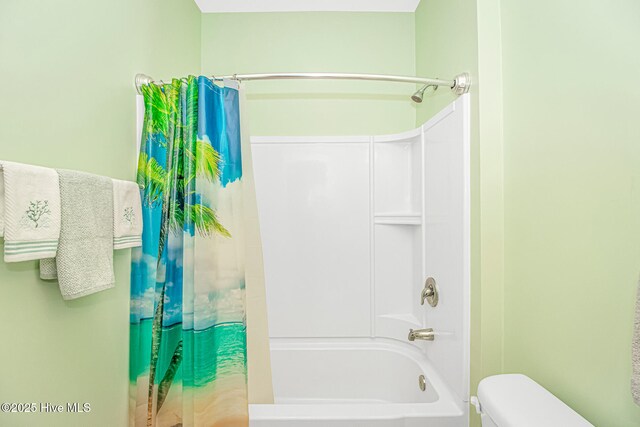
x: 188, y: 336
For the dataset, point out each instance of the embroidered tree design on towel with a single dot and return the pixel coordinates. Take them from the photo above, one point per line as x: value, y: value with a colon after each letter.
x: 129, y: 216
x: 37, y: 214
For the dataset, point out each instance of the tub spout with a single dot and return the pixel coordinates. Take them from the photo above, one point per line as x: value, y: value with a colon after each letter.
x: 421, y: 334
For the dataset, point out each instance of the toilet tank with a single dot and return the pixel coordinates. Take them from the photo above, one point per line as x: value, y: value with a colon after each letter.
x: 515, y: 400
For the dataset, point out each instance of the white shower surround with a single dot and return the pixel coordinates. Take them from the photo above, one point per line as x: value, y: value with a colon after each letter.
x: 351, y: 227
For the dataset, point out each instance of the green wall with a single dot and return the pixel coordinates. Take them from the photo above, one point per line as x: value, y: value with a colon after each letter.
x: 572, y: 204
x: 555, y: 211
x: 332, y: 42
x: 446, y: 45
x: 68, y: 101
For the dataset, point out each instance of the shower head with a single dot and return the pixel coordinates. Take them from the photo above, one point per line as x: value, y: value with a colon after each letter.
x: 418, y: 95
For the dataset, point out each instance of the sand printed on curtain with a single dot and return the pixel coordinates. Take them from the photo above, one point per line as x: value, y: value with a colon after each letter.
x: 188, y: 334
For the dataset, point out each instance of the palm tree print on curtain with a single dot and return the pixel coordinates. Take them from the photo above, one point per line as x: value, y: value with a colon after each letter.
x: 188, y: 336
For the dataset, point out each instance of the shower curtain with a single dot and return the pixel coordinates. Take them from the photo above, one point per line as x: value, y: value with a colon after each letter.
x: 188, y: 359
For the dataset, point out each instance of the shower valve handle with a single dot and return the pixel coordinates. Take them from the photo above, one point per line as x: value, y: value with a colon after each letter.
x: 429, y: 292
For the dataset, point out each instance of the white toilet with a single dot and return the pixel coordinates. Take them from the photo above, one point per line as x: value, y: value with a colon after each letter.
x: 515, y: 400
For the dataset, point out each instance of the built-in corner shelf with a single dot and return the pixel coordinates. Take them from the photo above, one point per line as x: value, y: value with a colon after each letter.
x: 398, y: 219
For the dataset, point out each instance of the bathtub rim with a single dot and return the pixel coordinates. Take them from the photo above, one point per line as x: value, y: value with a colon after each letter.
x: 446, y: 405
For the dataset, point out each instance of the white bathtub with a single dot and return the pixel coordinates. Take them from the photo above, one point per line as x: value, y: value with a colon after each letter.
x: 355, y: 383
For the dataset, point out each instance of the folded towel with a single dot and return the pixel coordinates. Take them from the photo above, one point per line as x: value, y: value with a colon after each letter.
x: 84, y: 262
x: 29, y: 211
x: 127, y: 215
x: 635, y: 353
x: 48, y: 270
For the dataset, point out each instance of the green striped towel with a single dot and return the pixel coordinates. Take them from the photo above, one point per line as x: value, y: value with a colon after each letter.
x: 127, y: 215
x: 29, y: 211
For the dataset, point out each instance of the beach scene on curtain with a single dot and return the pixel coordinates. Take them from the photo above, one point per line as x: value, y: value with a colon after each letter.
x: 188, y: 334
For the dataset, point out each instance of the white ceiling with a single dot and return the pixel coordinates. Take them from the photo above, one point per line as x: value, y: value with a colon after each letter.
x: 217, y: 6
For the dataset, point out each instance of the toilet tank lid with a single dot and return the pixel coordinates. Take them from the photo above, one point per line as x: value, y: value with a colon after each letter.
x: 515, y: 400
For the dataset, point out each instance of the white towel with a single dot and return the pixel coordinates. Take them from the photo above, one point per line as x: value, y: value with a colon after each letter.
x: 29, y: 211
x: 127, y: 215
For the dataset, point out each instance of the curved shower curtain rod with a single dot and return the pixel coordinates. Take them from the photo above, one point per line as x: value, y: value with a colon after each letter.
x: 459, y: 85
